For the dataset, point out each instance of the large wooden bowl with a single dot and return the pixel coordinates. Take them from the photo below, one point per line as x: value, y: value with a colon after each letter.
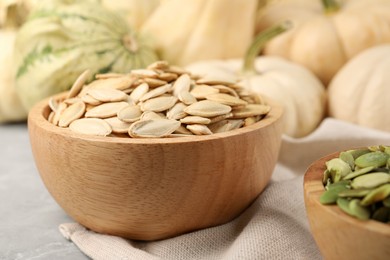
x: 151, y: 189
x: 338, y: 235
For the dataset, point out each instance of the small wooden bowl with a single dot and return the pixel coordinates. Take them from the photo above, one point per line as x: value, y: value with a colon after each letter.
x: 150, y: 189
x: 338, y: 235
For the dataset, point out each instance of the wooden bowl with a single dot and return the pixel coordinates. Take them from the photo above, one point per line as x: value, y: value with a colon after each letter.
x: 338, y: 235
x: 150, y: 189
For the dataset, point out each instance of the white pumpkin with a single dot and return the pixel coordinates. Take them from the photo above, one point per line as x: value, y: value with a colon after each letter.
x: 360, y: 91
x: 292, y: 85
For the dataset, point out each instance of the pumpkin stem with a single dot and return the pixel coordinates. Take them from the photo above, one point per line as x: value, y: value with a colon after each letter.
x: 330, y: 6
x: 130, y: 43
x: 258, y: 44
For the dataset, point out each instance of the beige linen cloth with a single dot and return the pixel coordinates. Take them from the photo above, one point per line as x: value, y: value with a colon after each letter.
x: 273, y: 227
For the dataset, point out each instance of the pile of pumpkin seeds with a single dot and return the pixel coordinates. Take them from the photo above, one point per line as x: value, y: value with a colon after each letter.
x: 159, y: 101
x: 358, y: 181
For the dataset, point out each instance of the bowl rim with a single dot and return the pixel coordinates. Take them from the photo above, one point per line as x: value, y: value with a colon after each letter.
x: 313, y: 188
x: 36, y: 116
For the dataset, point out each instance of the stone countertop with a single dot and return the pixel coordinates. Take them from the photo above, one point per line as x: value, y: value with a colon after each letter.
x: 29, y: 216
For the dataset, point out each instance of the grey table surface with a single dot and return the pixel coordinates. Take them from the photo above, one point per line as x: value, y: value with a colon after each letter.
x: 29, y: 216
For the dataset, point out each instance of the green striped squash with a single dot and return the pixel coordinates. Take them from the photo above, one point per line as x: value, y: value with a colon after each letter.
x: 62, y: 38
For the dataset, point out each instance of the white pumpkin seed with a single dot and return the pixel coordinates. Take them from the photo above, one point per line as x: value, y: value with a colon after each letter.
x: 185, y: 97
x: 159, y: 104
x: 144, y: 73
x: 202, y: 91
x: 226, y: 99
x: 182, y: 130
x: 57, y: 114
x: 107, y: 95
x: 71, y: 101
x: 215, y: 80
x: 106, y: 110
x: 78, y: 84
x: 199, y: 129
x: 129, y: 114
x: 220, y: 126
x: 168, y: 77
x: 158, y: 65
x: 220, y: 118
x: 224, y: 89
x: 153, y: 83
x: 138, y: 92
x: 119, y: 83
x: 177, y: 111
x: 182, y: 83
x: 108, y: 75
x: 195, y: 120
x: 156, y: 92
x: 150, y: 115
x: 87, y: 99
x: 53, y: 104
x: 71, y: 113
x: 91, y: 126
x: 207, y: 108
x: 117, y: 125
x: 251, y: 110
x: 153, y: 128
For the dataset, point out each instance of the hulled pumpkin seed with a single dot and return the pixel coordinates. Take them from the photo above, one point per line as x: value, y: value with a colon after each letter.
x: 364, y: 192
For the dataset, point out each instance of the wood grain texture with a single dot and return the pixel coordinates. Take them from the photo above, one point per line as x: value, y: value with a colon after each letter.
x: 150, y: 189
x: 338, y: 235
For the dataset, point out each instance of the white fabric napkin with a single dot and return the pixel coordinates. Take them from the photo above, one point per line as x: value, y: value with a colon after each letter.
x: 273, y: 227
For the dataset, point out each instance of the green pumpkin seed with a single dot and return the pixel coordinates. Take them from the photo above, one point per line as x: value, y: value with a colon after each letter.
x: 354, y: 193
x: 348, y: 158
x: 359, y: 172
x: 370, y: 180
x: 331, y: 195
x: 376, y: 195
x: 358, y: 210
x: 325, y: 177
x: 343, y: 204
x: 359, y: 152
x: 338, y: 169
x: 376, y: 159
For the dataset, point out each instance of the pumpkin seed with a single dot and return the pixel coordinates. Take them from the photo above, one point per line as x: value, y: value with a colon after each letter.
x: 159, y: 104
x: 53, y: 104
x: 348, y: 158
x: 182, y: 130
x: 91, y: 126
x: 358, y: 210
x: 157, y: 65
x: 117, y: 125
x: 177, y: 111
x: 370, y: 180
x: 87, y: 99
x: 144, y: 73
x: 376, y: 195
x: 153, y: 83
x: 220, y: 126
x: 226, y: 99
x: 185, y: 97
x: 150, y: 115
x: 199, y: 129
x: 78, y: 84
x: 168, y: 77
x: 153, y: 128
x: 156, y: 92
x: 181, y: 84
x: 129, y: 114
x: 107, y: 95
x: 138, y: 92
x: 338, y: 169
x: 376, y: 159
x: 354, y: 193
x: 57, y: 114
x: 195, y: 120
x: 202, y: 91
x: 106, y: 110
x: 251, y: 110
x: 71, y: 113
x: 207, y: 108
x: 359, y: 172
x: 108, y: 75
